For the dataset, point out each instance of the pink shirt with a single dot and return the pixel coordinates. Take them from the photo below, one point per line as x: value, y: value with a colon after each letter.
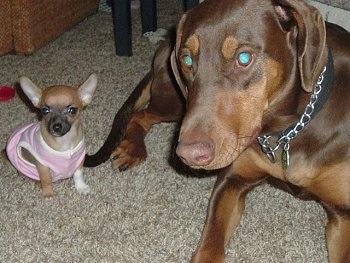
x: 61, y: 164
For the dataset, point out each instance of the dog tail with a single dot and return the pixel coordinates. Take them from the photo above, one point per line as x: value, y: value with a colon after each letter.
x: 133, y: 104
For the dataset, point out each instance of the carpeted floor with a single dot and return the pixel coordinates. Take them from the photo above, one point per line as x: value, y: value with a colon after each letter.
x: 148, y: 214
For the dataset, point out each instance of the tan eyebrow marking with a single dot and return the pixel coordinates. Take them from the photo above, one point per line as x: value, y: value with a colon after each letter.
x: 229, y: 47
x: 193, y: 44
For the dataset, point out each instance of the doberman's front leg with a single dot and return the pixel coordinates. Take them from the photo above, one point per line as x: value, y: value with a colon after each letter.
x: 132, y: 150
x: 338, y: 236
x: 165, y: 105
x: 225, y: 209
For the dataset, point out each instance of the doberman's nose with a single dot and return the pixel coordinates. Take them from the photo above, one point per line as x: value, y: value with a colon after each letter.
x: 196, y: 149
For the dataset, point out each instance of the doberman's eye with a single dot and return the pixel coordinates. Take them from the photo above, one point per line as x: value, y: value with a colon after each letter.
x: 45, y: 110
x: 72, y: 110
x: 187, y: 62
x: 244, y: 59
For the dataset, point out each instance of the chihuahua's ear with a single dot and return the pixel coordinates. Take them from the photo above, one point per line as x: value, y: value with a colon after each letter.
x: 32, y: 91
x: 87, y: 89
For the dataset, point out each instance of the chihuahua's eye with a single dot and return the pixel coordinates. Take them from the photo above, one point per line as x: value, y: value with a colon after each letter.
x: 45, y: 110
x: 72, y: 110
x: 244, y: 59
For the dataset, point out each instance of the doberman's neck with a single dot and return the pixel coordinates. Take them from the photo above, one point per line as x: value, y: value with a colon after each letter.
x: 318, y: 98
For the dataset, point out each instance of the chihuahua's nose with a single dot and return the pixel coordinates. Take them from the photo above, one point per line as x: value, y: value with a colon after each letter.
x: 57, y: 127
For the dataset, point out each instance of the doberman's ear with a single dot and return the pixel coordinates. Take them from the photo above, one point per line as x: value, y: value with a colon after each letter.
x: 177, y: 75
x: 311, y: 38
x: 174, y: 54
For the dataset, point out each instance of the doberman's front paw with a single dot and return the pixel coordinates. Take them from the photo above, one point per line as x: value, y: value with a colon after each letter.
x: 127, y: 155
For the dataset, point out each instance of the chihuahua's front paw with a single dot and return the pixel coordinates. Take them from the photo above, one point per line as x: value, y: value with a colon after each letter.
x: 47, y: 192
x: 80, y: 184
x: 82, y: 188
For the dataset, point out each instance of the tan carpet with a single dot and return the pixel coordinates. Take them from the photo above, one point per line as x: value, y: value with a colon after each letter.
x: 148, y: 214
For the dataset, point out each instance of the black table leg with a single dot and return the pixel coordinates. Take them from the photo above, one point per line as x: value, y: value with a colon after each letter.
x: 149, y: 15
x: 190, y: 3
x: 121, y: 13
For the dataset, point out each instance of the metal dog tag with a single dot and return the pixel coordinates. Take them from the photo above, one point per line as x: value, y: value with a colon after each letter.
x: 285, y: 156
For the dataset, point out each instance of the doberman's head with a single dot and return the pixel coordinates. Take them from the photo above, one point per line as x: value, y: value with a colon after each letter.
x: 240, y: 64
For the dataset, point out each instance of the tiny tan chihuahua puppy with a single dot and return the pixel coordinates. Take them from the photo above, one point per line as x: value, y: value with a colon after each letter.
x: 54, y: 148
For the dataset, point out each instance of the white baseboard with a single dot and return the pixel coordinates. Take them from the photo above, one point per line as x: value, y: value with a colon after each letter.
x: 333, y: 14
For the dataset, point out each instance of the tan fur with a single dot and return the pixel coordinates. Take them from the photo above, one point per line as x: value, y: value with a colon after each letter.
x: 193, y: 44
x: 229, y: 47
x: 59, y: 98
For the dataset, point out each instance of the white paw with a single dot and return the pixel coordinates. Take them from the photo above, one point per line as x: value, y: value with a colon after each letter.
x: 80, y: 184
x: 82, y: 188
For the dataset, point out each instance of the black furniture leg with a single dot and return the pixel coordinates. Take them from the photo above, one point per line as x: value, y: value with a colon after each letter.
x: 149, y: 15
x: 190, y: 3
x: 121, y: 13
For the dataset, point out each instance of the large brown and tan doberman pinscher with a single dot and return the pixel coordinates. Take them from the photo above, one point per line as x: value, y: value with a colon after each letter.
x: 262, y: 90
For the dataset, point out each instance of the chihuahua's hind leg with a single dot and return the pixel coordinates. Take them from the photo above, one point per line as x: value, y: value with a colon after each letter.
x: 44, y: 174
x: 4, y: 155
x: 79, y: 182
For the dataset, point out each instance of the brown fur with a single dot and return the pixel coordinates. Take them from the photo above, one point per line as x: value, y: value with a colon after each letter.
x: 228, y: 105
